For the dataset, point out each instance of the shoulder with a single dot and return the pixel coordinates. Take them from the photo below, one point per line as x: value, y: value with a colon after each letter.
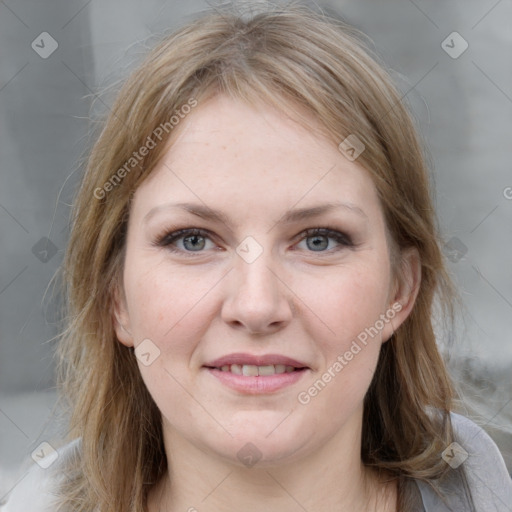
x: 36, y: 484
x: 488, y: 479
x: 484, y: 465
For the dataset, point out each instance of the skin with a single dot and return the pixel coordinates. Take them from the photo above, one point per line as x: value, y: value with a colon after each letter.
x: 254, y: 164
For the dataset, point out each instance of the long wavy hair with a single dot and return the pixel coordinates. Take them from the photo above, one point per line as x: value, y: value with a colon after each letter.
x: 293, y: 59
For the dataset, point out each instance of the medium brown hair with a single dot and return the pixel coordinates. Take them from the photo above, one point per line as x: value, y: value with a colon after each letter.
x: 286, y: 57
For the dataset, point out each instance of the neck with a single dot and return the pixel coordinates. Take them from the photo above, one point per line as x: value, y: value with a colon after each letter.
x: 329, y: 478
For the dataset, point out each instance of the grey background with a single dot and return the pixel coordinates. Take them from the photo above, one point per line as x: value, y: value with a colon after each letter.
x: 463, y: 107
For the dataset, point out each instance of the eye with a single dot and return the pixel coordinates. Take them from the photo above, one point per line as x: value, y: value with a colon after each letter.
x: 318, y: 239
x: 191, y: 240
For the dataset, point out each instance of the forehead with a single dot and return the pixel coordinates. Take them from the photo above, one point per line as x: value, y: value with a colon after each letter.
x: 228, y: 153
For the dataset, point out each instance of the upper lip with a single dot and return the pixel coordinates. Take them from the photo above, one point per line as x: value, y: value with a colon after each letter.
x: 260, y: 360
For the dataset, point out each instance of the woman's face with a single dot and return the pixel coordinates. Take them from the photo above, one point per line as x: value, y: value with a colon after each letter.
x: 263, y: 325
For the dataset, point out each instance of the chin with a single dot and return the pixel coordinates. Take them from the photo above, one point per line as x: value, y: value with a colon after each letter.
x: 264, y: 440
x: 263, y: 453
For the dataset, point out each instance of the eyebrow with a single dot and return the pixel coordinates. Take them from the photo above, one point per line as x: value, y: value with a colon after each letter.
x: 291, y: 216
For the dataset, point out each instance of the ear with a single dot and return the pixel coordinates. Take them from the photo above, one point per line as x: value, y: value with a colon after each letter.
x: 121, y: 318
x: 405, y: 290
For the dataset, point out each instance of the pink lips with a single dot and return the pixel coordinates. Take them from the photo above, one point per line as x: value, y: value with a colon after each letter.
x: 241, y: 358
x: 258, y: 384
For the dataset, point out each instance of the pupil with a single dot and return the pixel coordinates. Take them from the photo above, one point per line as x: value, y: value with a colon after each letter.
x: 195, y: 243
x: 320, y: 241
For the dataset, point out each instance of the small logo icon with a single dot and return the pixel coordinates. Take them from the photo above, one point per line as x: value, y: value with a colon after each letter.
x: 249, y: 249
x: 44, y: 45
x: 44, y: 250
x: 455, y: 249
x: 454, y: 455
x: 351, y: 147
x: 249, y: 455
x: 147, y: 352
x: 454, y: 45
x: 45, y: 455
x: 507, y: 192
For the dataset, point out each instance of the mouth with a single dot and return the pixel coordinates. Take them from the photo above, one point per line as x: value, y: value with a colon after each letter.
x: 249, y: 374
x: 251, y: 370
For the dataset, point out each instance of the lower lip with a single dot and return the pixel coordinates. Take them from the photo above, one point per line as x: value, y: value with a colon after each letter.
x: 257, y: 385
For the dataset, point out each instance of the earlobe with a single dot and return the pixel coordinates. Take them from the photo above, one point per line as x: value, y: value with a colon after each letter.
x: 120, y: 318
x: 407, y: 285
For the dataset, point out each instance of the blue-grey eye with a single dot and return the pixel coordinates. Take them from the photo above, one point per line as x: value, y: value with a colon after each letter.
x: 186, y: 240
x: 195, y: 242
x: 318, y: 239
x: 318, y: 243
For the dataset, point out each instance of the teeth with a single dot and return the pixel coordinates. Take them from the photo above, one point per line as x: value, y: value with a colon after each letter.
x: 250, y: 370
x: 266, y: 370
x: 236, y: 368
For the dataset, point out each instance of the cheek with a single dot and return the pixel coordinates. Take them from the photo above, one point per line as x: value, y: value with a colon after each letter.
x: 173, y: 313
x: 348, y: 302
x: 170, y: 307
x: 350, y: 310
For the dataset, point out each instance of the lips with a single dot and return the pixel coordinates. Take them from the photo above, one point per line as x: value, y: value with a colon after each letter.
x: 245, y: 364
x: 252, y: 374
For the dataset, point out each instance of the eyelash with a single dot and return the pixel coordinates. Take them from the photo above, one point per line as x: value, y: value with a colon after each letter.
x: 168, y: 238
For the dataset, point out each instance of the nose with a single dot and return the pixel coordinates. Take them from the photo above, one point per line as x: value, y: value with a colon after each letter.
x: 258, y: 299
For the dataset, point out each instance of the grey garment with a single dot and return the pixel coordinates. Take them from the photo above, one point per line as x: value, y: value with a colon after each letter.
x: 488, y: 478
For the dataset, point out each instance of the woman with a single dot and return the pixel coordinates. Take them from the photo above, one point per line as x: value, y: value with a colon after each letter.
x: 250, y: 276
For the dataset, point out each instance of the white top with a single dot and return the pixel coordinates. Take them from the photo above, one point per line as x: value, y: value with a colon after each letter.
x: 489, y: 480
